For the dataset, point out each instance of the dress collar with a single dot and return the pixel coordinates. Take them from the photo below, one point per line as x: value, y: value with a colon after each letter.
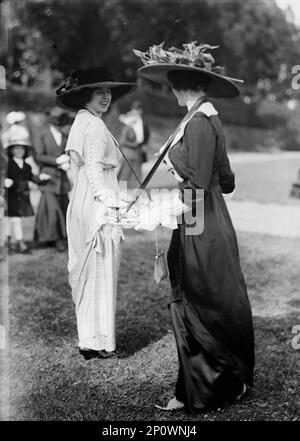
x: 207, y: 108
x: 19, y: 162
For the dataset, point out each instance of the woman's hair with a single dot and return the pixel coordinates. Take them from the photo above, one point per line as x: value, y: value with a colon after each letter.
x: 83, y: 96
x: 188, y: 80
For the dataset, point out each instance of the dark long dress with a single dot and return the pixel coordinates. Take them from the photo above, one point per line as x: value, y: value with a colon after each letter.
x: 210, y: 310
x: 50, y: 222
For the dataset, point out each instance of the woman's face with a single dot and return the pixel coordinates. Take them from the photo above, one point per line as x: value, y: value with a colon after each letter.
x: 100, y: 100
x: 182, y: 96
x: 18, y: 151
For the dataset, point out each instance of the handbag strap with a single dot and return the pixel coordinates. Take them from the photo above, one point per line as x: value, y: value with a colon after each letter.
x: 156, y: 241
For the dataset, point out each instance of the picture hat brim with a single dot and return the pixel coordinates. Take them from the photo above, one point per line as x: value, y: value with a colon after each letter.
x: 220, y: 86
x: 68, y: 99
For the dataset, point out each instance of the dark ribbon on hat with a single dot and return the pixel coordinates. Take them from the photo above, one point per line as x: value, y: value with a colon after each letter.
x: 68, y: 85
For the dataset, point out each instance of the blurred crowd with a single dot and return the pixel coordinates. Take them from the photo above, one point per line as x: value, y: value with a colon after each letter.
x: 45, y: 165
x: 31, y: 161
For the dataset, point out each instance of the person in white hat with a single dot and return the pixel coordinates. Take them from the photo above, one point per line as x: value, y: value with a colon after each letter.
x: 18, y: 129
x: 18, y: 175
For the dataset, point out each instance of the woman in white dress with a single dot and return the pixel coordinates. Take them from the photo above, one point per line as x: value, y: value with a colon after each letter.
x: 94, y: 238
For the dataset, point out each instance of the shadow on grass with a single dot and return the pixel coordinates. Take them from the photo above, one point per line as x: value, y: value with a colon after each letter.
x: 50, y: 381
x: 60, y: 386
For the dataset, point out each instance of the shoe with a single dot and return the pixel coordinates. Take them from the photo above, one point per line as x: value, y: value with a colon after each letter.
x: 3, y: 253
x: 88, y: 354
x: 105, y: 354
x: 22, y: 247
x: 243, y: 394
x: 60, y: 246
x: 10, y: 246
x: 172, y: 405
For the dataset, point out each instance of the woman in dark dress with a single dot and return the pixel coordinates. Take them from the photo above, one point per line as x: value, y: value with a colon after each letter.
x: 50, y: 223
x: 210, y: 310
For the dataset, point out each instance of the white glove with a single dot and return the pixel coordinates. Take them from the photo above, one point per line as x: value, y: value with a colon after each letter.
x: 8, y: 182
x: 62, y: 159
x: 65, y: 166
x: 130, y: 219
x: 149, y: 219
x: 44, y: 177
x: 106, y: 215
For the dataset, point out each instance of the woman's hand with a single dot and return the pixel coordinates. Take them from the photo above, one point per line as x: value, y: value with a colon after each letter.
x: 44, y: 177
x: 8, y: 183
x: 62, y: 159
x: 129, y: 219
x: 65, y: 166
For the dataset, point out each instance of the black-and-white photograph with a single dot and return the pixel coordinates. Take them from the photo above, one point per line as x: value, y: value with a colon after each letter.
x: 150, y: 213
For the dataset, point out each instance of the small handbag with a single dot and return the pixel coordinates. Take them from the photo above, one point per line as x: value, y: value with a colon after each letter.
x: 160, y: 264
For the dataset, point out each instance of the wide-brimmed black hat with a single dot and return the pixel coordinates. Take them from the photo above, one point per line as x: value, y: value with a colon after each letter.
x: 158, y: 62
x: 94, y: 78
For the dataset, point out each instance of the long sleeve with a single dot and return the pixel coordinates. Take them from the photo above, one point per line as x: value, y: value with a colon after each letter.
x: 95, y: 151
x: 35, y: 179
x: 226, y: 175
x: 200, y: 139
x: 193, y: 160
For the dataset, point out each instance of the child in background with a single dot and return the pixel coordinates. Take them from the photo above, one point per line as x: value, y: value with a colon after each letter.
x: 19, y: 173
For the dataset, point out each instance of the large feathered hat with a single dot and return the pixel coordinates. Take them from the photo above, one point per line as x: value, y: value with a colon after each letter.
x: 158, y: 62
x: 95, y: 77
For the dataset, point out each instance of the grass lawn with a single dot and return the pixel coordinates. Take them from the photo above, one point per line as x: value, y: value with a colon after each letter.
x: 266, y: 182
x: 50, y: 381
x: 260, y: 181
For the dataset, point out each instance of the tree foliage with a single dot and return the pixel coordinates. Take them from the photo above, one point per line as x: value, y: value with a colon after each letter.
x: 257, y: 41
